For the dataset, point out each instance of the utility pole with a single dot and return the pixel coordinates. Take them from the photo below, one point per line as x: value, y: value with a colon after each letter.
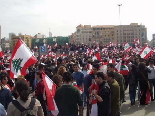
x: 119, y: 5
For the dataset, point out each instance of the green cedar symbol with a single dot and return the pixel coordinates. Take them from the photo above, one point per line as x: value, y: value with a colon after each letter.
x: 16, y: 64
x: 145, y: 52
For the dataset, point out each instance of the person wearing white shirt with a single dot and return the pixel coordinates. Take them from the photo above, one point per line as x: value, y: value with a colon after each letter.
x: 151, y: 78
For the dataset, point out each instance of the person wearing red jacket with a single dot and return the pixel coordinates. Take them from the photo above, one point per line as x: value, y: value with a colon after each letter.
x: 40, y: 89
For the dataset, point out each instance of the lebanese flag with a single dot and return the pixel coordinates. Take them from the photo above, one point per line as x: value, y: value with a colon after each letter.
x: 50, y: 89
x: 1, y: 52
x: 97, y: 55
x: 146, y: 52
x: 112, y: 61
x: 124, y: 70
x: 118, y: 66
x: 137, y: 42
x: 127, y: 47
x: 21, y: 59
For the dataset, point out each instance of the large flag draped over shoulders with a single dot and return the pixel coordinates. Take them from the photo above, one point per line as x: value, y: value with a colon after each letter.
x: 21, y: 59
x: 50, y: 89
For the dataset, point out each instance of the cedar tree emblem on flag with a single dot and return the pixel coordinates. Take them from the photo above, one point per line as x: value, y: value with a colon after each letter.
x: 16, y: 64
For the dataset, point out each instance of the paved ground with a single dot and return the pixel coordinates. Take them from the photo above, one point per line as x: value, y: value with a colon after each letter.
x: 136, y: 110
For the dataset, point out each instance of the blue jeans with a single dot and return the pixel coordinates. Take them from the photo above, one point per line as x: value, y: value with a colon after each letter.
x: 152, y: 84
x: 132, y: 92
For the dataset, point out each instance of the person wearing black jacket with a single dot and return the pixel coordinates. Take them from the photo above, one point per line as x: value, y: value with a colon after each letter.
x: 103, y: 96
x: 132, y: 77
x: 143, y: 81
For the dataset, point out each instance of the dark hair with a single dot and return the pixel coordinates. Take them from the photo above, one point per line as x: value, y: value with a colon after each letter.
x: 96, y: 66
x: 67, y: 76
x: 111, y: 74
x: 111, y: 65
x: 57, y: 79
x: 100, y: 74
x: 41, y: 67
x: 76, y: 65
x: 40, y: 74
x: 21, y: 86
x: 151, y: 62
x: 141, y: 66
x: 134, y: 68
x: 3, y: 76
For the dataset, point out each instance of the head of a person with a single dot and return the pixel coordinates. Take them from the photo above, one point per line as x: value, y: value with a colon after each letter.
x: 133, y: 68
x: 95, y: 68
x: 99, y: 77
x: 84, y: 67
x: 151, y: 63
x: 4, y: 78
x: 76, y: 67
x: 57, y: 79
x: 22, y: 88
x: 61, y: 70
x: 41, y: 67
x: 110, y: 76
x: 67, y: 77
x: 110, y: 67
x: 38, y: 75
x: 141, y: 66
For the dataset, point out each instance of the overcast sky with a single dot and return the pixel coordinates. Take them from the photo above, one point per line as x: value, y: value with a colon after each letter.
x: 62, y: 16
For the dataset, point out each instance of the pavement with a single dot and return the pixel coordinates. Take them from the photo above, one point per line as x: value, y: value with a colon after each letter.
x: 136, y: 110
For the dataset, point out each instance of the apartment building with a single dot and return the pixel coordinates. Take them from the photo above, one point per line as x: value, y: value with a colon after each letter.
x: 127, y: 33
x: 104, y: 34
x: 25, y: 38
x: 84, y: 34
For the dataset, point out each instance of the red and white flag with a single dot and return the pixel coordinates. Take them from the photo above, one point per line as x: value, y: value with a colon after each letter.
x: 21, y: 59
x: 146, y: 52
x: 1, y: 52
x: 55, y: 45
x: 127, y: 47
x: 50, y: 89
x: 137, y: 42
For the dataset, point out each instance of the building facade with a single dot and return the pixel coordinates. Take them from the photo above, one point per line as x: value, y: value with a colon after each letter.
x: 127, y: 33
x: 26, y: 38
x: 83, y: 34
x: 104, y: 34
x: 152, y: 42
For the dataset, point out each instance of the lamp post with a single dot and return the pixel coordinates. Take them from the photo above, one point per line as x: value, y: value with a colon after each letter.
x: 119, y: 5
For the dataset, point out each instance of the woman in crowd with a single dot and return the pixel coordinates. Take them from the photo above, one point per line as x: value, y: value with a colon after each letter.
x: 57, y: 79
x: 4, y: 81
x: 132, y: 77
x: 61, y: 70
x: 24, y: 100
x: 143, y: 81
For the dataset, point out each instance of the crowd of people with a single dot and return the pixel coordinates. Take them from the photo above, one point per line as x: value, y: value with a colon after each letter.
x: 82, y: 83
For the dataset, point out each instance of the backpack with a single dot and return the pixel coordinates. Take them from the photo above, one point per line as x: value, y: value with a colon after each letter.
x: 25, y: 111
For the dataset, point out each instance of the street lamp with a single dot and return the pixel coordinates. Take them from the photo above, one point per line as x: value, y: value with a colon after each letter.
x: 119, y: 5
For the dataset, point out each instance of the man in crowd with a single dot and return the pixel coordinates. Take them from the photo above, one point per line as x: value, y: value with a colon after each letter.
x: 103, y: 96
x: 151, y: 77
x: 119, y: 78
x: 68, y: 97
x: 115, y: 94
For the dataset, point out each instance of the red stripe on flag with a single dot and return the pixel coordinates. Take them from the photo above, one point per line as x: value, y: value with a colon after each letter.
x: 31, y: 61
x: 50, y: 94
